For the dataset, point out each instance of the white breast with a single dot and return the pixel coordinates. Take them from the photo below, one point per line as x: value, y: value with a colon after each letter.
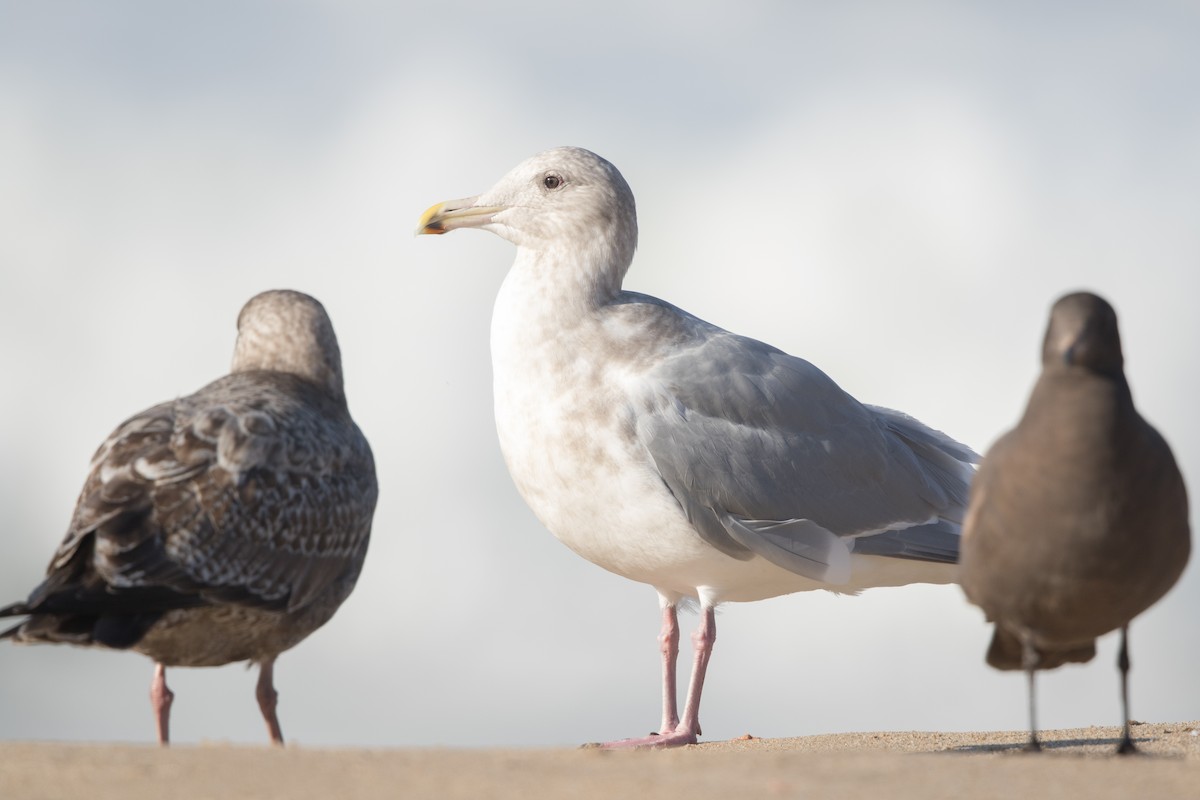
x: 565, y: 424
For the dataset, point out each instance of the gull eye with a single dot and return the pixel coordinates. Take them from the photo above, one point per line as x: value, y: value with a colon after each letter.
x: 552, y: 181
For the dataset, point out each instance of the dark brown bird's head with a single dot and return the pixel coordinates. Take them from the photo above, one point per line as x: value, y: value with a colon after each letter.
x: 1083, y: 333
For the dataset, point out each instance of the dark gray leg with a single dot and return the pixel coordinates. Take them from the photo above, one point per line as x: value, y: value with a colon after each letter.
x: 1127, y: 746
x: 1029, y: 659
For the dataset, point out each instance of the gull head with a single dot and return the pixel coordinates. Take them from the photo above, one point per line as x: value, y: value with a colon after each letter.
x: 286, y: 331
x: 566, y: 199
x: 1083, y: 333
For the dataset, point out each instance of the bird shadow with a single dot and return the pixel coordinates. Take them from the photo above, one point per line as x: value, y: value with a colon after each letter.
x: 1057, y: 744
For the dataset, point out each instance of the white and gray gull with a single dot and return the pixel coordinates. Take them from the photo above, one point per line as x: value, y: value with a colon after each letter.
x: 223, y: 526
x: 669, y: 451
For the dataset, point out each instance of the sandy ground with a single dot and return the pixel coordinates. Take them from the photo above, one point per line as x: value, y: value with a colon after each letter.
x: 1076, y: 764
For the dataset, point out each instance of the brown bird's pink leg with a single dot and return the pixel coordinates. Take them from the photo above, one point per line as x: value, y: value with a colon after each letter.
x: 688, y: 729
x: 268, y: 698
x: 160, y: 700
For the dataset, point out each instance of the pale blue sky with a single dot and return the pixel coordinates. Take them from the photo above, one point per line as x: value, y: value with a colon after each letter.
x: 896, y: 192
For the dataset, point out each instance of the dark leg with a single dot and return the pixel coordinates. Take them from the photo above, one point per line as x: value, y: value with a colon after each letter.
x: 1127, y: 746
x: 1029, y: 659
x: 160, y: 700
x: 268, y: 698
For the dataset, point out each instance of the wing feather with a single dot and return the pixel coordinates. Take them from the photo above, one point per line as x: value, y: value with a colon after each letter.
x: 256, y: 490
x: 767, y: 455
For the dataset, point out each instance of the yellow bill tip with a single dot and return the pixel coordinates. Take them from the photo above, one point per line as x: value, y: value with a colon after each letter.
x: 430, y: 221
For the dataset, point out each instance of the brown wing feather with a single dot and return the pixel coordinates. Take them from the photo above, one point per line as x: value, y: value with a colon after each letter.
x: 256, y: 490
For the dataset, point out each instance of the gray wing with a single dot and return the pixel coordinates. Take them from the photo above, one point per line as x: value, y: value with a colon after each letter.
x: 768, y: 456
x: 256, y: 490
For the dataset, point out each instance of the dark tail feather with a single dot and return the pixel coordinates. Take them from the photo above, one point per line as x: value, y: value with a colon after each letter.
x: 124, y: 631
x: 1006, y: 652
x: 119, y: 631
x: 937, y: 542
x: 13, y: 610
x: 75, y: 615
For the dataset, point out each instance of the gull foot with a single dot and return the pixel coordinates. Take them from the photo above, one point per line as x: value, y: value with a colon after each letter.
x: 676, y: 738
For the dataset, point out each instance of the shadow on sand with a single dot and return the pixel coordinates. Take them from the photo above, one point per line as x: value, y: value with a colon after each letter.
x: 1056, y: 744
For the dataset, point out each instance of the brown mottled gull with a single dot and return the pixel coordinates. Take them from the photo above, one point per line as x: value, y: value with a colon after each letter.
x: 711, y: 466
x: 1078, y: 519
x: 224, y: 526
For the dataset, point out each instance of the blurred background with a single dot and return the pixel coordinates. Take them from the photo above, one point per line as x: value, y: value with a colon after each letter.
x: 895, y: 191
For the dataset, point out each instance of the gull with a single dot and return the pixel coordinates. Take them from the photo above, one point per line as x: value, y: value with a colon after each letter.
x: 711, y: 466
x: 223, y: 526
x: 1078, y: 518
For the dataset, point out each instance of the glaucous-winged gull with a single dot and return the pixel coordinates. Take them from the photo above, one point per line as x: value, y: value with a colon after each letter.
x: 667, y: 450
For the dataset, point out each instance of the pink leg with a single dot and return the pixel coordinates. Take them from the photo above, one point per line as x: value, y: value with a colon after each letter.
x: 268, y: 698
x: 160, y: 700
x: 703, y: 639
x: 688, y: 729
x: 668, y: 641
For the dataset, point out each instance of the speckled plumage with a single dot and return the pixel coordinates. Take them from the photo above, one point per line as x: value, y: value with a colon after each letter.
x: 223, y: 526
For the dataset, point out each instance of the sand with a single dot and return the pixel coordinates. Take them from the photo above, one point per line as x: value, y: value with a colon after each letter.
x: 1076, y: 764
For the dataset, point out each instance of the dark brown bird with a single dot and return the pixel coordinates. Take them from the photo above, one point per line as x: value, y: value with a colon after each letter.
x: 1078, y: 517
x: 223, y: 526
